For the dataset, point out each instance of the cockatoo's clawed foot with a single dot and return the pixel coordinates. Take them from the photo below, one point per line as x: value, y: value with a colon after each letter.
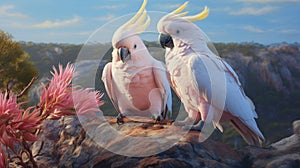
x: 186, y: 121
x: 120, y: 119
x: 196, y: 127
x: 158, y: 119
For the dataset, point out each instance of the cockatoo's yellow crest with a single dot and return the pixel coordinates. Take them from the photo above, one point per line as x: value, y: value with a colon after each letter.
x: 136, y: 25
x: 200, y: 16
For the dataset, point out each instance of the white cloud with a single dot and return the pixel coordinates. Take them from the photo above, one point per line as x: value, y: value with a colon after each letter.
x: 268, y: 1
x: 253, y: 11
x: 106, y: 18
x: 14, y: 25
x: 112, y: 7
x: 253, y: 29
x: 290, y: 31
x: 5, y: 11
x: 58, y: 23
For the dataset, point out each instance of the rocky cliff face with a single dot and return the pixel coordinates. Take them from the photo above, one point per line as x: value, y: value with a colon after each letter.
x: 65, y: 144
x: 275, y: 65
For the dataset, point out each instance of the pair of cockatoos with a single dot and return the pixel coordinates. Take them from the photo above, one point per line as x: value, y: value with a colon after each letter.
x: 207, y: 86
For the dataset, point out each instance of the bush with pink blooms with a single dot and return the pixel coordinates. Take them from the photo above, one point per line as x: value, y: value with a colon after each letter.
x: 20, y: 126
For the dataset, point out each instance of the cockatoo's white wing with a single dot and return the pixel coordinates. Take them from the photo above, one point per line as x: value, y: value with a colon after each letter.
x: 202, y: 80
x: 162, y: 82
x: 237, y: 103
x: 199, y: 75
x: 240, y: 106
x: 235, y: 81
x: 109, y: 84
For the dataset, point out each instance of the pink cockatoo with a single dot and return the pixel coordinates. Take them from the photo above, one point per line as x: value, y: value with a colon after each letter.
x: 136, y: 83
x: 201, y: 79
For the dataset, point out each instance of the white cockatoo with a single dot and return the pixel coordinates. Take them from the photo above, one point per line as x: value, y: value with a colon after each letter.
x: 136, y: 83
x: 208, y: 87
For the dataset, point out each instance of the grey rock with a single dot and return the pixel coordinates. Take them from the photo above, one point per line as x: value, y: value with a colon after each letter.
x: 76, y: 149
x: 287, y: 143
x: 296, y: 126
x: 286, y: 161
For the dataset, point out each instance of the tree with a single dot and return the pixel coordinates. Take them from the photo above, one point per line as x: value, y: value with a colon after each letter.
x: 14, y: 64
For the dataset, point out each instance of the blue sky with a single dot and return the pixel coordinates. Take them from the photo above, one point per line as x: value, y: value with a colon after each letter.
x: 70, y: 21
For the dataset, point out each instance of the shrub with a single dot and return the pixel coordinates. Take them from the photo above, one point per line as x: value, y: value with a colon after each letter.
x: 19, y: 126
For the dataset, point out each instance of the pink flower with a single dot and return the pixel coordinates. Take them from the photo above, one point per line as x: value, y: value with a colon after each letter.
x: 15, y: 123
x: 9, y: 112
x: 87, y: 101
x: 9, y: 107
x: 28, y: 123
x: 57, y: 98
x: 63, y: 76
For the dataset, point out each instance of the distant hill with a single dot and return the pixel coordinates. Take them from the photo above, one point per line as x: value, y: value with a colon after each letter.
x: 46, y: 55
x: 270, y: 76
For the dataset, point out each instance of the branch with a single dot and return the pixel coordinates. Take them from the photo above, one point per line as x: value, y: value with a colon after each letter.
x: 16, y: 156
x: 27, y: 87
x: 29, y: 154
x: 41, y: 147
x: 9, y: 85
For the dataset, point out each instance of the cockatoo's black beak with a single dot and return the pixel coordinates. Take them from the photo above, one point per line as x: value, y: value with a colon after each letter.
x: 124, y: 54
x: 166, y: 41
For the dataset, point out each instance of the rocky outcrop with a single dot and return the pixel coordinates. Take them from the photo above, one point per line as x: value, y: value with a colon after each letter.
x: 66, y: 144
x: 296, y: 127
x: 282, y: 154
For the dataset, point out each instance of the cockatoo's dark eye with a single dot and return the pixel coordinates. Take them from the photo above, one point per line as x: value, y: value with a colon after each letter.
x: 134, y: 47
x: 177, y: 31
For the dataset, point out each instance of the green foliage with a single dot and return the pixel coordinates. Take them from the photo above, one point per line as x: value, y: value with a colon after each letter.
x: 14, y: 64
